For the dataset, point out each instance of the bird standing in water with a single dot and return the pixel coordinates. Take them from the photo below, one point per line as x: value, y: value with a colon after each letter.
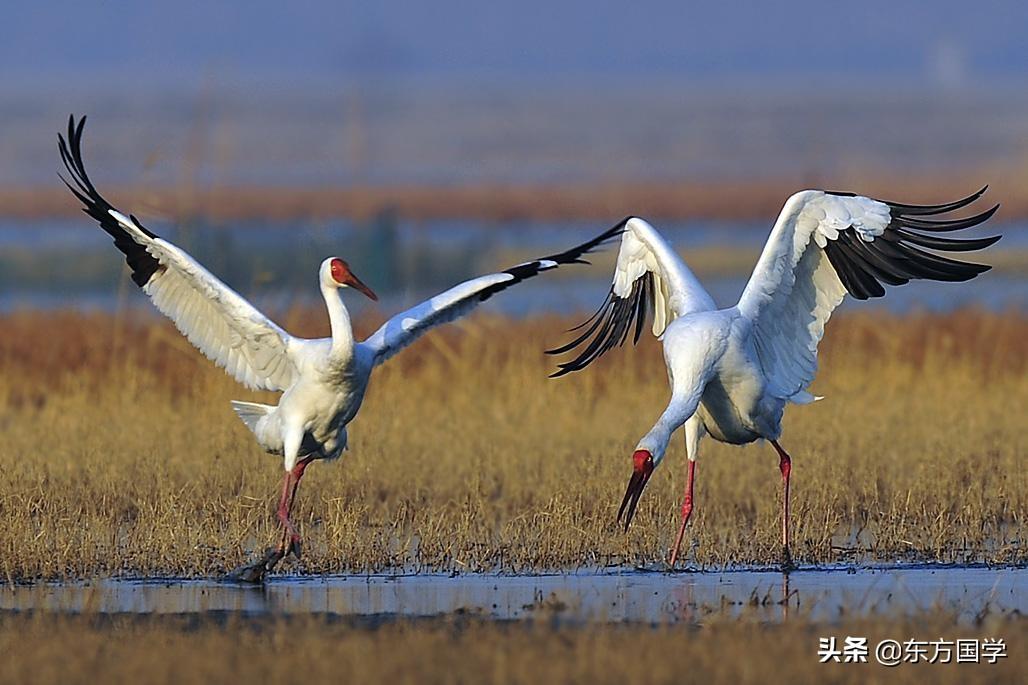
x: 733, y: 371
x: 322, y: 381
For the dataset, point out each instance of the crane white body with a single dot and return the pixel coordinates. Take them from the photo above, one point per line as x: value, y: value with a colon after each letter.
x: 322, y: 381
x: 312, y: 414
x: 733, y: 371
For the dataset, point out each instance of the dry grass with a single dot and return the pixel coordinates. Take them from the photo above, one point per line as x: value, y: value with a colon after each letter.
x: 121, y: 454
x: 89, y: 649
x: 605, y: 202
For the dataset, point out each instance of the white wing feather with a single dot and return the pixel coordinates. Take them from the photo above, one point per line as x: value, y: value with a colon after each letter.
x: 217, y: 320
x: 794, y: 289
x: 648, y: 276
x: 406, y: 327
x: 676, y: 291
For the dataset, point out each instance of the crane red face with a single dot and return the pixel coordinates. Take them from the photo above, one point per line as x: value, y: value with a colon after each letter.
x: 642, y: 468
x: 342, y: 275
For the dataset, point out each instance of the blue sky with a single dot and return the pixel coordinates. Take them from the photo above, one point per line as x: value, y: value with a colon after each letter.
x: 447, y: 90
x: 167, y: 43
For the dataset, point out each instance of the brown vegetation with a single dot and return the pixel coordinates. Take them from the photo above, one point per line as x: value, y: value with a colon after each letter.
x: 759, y: 199
x: 47, y: 649
x: 120, y: 454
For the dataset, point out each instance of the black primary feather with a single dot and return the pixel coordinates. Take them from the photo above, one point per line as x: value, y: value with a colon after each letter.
x: 572, y: 256
x: 142, y: 263
x: 896, y: 256
x: 610, y: 326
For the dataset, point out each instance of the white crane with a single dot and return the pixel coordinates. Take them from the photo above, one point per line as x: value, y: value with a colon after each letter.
x: 322, y: 381
x: 733, y: 371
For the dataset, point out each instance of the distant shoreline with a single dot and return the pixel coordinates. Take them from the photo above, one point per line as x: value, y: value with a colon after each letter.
x: 500, y: 203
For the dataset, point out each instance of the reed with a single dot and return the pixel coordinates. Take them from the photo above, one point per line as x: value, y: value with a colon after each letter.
x: 120, y: 454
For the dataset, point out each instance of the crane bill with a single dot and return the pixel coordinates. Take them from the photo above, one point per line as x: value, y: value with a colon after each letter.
x: 643, y: 468
x: 359, y: 286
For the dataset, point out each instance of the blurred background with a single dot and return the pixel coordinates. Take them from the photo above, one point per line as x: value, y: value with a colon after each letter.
x: 427, y: 142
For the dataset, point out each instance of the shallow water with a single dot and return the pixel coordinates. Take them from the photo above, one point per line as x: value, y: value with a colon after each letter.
x: 819, y: 594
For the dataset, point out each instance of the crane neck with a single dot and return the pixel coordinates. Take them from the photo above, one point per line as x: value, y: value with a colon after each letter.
x: 678, y: 411
x: 339, y: 318
x: 656, y: 441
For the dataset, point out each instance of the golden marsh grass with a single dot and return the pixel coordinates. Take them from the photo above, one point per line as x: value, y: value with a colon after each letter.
x: 47, y: 649
x: 122, y: 455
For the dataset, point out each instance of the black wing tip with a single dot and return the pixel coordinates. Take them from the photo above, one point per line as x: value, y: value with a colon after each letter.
x: 574, y: 255
x: 910, y: 248
x: 931, y: 210
x: 141, y: 262
x: 609, y: 326
x: 73, y: 136
x: 991, y: 240
x: 900, y: 255
x: 74, y: 129
x: 70, y: 148
x: 989, y: 213
x: 570, y: 256
x: 922, y: 210
x: 537, y: 266
x: 977, y: 194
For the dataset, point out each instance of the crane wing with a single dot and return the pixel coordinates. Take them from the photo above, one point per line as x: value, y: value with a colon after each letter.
x: 217, y: 320
x: 406, y: 327
x: 649, y: 277
x: 827, y: 244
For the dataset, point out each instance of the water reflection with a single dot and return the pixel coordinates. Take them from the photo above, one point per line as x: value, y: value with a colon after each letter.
x: 626, y: 596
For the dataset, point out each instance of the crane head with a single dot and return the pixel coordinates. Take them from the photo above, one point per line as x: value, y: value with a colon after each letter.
x: 341, y: 277
x: 642, y: 468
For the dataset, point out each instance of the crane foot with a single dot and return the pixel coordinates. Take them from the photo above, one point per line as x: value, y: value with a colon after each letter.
x: 256, y: 571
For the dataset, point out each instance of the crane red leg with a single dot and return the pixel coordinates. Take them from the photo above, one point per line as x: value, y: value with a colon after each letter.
x: 290, y: 482
x: 785, y: 466
x: 283, y: 500
x: 686, y: 511
x: 255, y: 572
